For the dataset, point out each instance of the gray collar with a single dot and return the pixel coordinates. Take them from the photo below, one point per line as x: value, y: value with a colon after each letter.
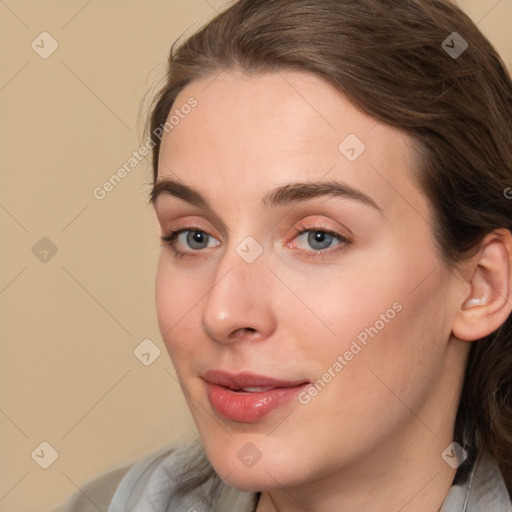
x: 484, y: 490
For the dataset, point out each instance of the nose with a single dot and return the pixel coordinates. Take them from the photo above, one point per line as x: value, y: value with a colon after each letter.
x: 239, y: 304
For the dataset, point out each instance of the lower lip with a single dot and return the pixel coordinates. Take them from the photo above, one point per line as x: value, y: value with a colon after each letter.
x: 249, y: 407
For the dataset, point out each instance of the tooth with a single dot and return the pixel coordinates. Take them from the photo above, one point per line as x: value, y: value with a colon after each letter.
x: 255, y: 389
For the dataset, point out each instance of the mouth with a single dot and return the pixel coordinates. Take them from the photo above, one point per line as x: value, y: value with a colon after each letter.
x: 247, y: 397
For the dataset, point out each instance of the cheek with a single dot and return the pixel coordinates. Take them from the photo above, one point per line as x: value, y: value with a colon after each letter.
x: 386, y: 317
x: 177, y: 300
x: 399, y: 353
x: 166, y: 298
x: 342, y: 303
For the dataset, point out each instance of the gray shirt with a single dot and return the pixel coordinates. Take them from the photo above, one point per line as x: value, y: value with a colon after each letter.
x: 148, y: 486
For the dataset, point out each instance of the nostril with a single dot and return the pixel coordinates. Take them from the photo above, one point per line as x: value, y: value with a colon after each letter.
x: 243, y: 331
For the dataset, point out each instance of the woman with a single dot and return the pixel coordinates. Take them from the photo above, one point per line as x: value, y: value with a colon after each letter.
x: 334, y: 286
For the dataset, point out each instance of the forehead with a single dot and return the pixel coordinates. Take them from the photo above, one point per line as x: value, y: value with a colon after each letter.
x: 262, y: 131
x: 279, y: 110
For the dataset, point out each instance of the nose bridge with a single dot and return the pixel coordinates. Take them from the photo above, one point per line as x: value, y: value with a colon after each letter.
x: 239, y: 299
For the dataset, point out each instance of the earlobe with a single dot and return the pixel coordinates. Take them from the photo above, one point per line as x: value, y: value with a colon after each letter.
x: 488, y: 304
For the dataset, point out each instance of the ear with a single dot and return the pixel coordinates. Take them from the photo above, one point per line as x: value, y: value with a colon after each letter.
x: 490, y: 278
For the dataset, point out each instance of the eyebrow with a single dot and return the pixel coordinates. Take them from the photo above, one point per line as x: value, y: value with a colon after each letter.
x: 284, y: 195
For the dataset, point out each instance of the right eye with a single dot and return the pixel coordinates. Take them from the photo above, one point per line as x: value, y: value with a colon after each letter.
x: 194, y: 238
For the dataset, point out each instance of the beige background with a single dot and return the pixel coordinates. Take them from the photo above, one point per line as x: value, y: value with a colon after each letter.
x: 70, y: 324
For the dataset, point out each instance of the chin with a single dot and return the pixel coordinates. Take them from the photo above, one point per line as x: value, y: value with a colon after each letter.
x: 263, y: 474
x: 248, y: 480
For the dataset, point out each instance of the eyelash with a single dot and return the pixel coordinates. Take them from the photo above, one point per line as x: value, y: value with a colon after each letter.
x: 170, y: 240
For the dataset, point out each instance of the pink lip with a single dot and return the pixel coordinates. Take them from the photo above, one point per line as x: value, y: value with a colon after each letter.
x: 227, y: 399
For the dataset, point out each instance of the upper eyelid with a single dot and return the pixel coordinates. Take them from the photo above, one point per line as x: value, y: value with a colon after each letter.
x: 298, y: 230
x: 162, y: 216
x: 191, y: 224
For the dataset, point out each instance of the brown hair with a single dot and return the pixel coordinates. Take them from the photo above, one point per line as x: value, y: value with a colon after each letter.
x: 388, y: 58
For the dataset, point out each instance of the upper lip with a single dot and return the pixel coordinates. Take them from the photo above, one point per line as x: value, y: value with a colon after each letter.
x: 247, y: 380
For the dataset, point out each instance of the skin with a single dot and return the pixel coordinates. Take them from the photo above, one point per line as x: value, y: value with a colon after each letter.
x: 376, y: 432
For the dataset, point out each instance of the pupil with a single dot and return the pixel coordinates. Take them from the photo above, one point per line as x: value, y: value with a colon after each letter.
x: 196, y: 239
x: 322, y: 239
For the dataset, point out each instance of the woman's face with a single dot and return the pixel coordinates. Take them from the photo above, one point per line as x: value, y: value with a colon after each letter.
x: 307, y: 313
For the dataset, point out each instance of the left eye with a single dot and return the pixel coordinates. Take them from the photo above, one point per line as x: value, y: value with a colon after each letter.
x: 320, y: 240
